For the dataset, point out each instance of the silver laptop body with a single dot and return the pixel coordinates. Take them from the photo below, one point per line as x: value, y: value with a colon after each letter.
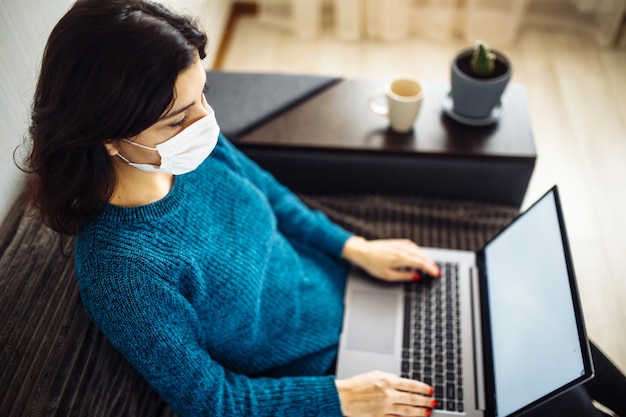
x: 491, y: 328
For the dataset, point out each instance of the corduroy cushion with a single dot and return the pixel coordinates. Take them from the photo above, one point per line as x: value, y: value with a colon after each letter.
x: 452, y: 224
x: 55, y: 362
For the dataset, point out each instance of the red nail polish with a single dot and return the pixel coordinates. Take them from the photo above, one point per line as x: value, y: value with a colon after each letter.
x: 416, y: 277
x: 431, y: 391
x: 434, y: 403
x: 428, y: 411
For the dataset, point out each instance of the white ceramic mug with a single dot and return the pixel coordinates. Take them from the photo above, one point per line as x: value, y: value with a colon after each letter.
x: 404, y: 99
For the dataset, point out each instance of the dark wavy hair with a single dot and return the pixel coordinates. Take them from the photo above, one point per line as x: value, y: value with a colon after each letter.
x: 108, y: 73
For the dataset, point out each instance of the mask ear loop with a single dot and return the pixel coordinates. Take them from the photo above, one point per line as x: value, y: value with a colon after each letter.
x: 136, y: 144
x: 140, y: 145
x: 123, y: 158
x: 147, y: 167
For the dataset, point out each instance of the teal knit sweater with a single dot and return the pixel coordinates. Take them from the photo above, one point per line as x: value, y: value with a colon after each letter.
x: 226, y: 295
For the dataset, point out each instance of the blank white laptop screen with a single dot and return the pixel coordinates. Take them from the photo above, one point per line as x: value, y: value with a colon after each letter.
x: 535, y: 339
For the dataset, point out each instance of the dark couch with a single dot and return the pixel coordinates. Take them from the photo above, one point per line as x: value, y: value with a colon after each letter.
x: 55, y: 362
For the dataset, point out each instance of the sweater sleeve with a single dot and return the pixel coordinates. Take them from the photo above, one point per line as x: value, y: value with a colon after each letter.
x: 295, y: 219
x: 155, y: 327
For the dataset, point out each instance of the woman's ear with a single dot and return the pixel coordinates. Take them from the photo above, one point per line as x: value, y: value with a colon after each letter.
x: 111, y: 148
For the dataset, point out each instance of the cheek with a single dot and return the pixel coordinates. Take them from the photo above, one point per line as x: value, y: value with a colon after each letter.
x: 140, y: 156
x: 150, y: 157
x: 145, y: 156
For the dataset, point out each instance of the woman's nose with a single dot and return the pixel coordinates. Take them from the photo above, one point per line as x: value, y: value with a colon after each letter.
x: 201, y: 110
x: 206, y: 106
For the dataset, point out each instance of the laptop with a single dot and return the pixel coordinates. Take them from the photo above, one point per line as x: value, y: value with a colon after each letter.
x: 500, y: 332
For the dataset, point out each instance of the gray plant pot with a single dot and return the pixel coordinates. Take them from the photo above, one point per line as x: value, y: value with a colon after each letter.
x: 475, y: 97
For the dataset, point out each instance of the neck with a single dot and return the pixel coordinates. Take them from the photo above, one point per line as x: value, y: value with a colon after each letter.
x: 138, y: 188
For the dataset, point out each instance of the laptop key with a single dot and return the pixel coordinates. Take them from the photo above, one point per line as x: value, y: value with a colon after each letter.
x: 450, y: 391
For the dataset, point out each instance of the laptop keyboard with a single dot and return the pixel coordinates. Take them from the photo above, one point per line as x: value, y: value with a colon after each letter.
x: 431, y: 346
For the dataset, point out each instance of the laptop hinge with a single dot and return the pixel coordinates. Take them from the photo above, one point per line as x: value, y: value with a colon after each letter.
x: 479, y: 364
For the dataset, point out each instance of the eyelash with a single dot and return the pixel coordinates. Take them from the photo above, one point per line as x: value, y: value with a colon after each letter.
x: 178, y: 124
x: 182, y: 121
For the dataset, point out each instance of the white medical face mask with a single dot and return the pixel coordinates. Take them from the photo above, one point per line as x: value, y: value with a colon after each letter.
x: 185, y: 151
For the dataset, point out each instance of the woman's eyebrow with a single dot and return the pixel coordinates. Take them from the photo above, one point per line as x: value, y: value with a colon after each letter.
x: 176, y: 112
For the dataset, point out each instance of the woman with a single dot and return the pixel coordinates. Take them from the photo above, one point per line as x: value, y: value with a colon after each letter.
x: 213, y: 280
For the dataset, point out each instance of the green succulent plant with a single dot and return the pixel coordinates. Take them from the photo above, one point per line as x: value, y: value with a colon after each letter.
x: 483, y: 61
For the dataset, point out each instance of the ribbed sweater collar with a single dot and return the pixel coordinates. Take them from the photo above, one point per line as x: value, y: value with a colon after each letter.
x: 148, y: 212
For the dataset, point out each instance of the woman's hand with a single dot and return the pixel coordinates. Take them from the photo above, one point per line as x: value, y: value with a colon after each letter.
x: 381, y: 394
x: 389, y: 259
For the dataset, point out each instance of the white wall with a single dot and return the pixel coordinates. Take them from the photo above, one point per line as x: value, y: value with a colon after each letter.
x: 24, y: 29
x: 213, y: 16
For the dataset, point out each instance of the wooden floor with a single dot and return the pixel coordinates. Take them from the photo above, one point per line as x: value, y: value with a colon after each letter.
x: 577, y: 100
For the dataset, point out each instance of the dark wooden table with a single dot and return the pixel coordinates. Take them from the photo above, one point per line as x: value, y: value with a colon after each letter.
x: 335, y: 134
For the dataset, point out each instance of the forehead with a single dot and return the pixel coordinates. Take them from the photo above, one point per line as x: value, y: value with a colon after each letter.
x: 187, y: 88
x: 190, y: 80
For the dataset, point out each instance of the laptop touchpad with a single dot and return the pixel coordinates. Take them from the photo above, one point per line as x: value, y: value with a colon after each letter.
x: 372, y: 322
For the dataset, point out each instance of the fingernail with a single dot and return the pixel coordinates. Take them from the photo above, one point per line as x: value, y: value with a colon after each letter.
x: 416, y: 277
x: 428, y: 411
x: 434, y: 403
x: 431, y: 391
x: 438, y: 272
